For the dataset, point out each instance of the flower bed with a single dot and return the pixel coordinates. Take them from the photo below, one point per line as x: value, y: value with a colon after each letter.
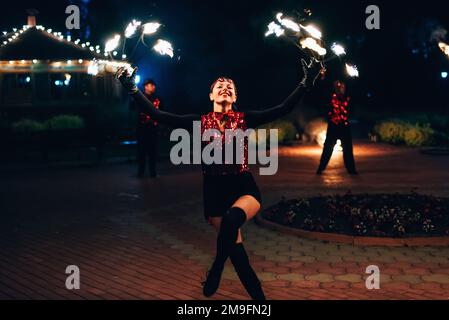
x: 395, y: 215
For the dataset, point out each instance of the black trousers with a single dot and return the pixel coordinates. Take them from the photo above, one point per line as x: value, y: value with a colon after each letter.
x: 147, y: 149
x: 335, y: 132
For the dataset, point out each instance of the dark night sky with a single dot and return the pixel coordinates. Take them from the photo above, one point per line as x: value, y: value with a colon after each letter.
x: 226, y: 38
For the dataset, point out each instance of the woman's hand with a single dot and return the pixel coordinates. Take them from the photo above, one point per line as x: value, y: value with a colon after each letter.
x: 312, y: 71
x: 127, y: 80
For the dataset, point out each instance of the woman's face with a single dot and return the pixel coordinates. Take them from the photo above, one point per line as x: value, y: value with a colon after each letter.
x: 223, y: 92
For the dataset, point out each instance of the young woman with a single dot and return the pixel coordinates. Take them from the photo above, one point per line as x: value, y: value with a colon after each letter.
x: 231, y: 196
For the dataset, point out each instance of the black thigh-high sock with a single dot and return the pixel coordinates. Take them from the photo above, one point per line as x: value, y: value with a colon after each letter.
x: 227, y: 237
x: 246, y: 273
x: 229, y: 230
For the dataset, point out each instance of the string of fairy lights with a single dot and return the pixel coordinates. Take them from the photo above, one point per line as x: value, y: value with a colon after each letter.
x: 112, y: 58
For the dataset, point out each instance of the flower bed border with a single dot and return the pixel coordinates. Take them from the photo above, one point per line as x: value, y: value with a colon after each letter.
x: 354, y: 240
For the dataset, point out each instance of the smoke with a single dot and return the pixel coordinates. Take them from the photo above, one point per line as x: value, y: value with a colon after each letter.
x: 315, y: 131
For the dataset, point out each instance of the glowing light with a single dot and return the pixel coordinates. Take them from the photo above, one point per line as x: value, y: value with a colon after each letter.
x: 444, y: 47
x: 69, y: 62
x: 352, y: 70
x: 123, y: 56
x: 104, y: 66
x: 112, y: 44
x: 313, y: 31
x: 164, y: 47
x: 35, y: 61
x: 68, y: 77
x: 287, y: 23
x: 137, y: 79
x: 274, y: 28
x: 313, y: 45
x: 22, y: 61
x: 321, y: 139
x: 338, y: 49
x: 151, y: 27
x: 80, y: 61
x: 132, y: 28
x: 92, y: 69
x: 444, y: 75
x: 28, y: 79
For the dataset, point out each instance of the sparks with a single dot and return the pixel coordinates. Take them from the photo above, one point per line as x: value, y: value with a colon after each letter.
x: 132, y: 28
x: 274, y: 28
x: 444, y: 47
x: 352, y: 70
x: 151, y: 27
x: 313, y: 31
x: 112, y: 44
x: 313, y: 45
x: 338, y: 49
x: 287, y: 23
x: 164, y: 48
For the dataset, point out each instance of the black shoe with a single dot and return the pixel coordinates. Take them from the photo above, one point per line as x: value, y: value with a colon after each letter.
x: 319, y: 172
x: 213, y: 278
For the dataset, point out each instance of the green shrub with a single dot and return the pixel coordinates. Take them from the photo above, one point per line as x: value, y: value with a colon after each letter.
x: 27, y: 126
x: 401, y: 132
x: 416, y: 136
x: 65, y: 122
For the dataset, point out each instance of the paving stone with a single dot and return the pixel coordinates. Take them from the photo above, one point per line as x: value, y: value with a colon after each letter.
x: 322, y: 277
x: 349, y: 278
x: 438, y: 278
x: 291, y: 277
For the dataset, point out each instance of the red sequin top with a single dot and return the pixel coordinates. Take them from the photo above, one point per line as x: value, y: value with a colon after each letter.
x: 221, y: 122
x: 145, y: 117
x: 340, y: 110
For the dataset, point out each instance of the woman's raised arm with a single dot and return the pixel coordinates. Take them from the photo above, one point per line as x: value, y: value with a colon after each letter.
x: 258, y: 117
x: 171, y: 119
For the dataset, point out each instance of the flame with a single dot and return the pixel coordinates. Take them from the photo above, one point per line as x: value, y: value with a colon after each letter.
x: 352, y: 70
x: 321, y: 139
x: 112, y: 44
x: 151, y: 27
x: 287, y: 23
x: 313, y: 31
x: 313, y: 45
x: 164, y: 48
x: 338, y: 49
x: 274, y: 28
x: 444, y: 47
x: 132, y: 28
x: 104, y: 66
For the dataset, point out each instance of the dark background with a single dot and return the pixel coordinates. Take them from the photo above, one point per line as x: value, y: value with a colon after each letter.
x: 400, y: 67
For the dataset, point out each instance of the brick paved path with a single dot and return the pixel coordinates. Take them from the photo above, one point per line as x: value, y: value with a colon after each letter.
x: 131, y: 241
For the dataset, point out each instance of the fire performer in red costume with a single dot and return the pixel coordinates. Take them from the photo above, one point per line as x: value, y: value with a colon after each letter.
x: 338, y: 128
x: 231, y: 196
x: 147, y: 132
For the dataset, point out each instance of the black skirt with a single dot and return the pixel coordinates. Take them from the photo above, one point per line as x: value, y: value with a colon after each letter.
x: 220, y: 192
